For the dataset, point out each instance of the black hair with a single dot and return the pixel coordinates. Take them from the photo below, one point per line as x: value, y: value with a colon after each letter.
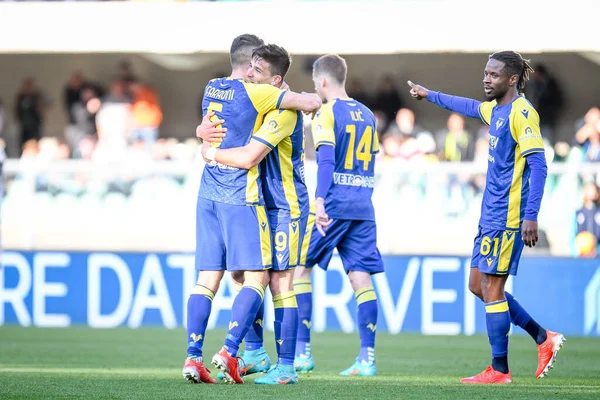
x: 515, y: 64
x: 276, y: 56
x: 241, y: 49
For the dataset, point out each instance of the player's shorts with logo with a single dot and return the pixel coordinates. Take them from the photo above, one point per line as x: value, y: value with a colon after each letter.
x: 232, y: 237
x: 355, y: 240
x: 287, y: 234
x: 497, y: 252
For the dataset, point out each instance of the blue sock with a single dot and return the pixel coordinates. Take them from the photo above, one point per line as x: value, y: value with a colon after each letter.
x: 303, y: 290
x: 521, y: 318
x: 497, y: 320
x: 286, y: 326
x: 243, y: 313
x: 198, y: 310
x: 366, y: 300
x: 254, y: 337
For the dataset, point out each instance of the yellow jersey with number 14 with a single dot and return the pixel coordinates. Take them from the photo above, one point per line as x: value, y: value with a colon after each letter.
x: 349, y: 126
x: 243, y: 106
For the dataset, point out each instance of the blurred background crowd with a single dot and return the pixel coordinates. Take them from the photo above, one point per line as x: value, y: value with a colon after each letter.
x: 115, y: 161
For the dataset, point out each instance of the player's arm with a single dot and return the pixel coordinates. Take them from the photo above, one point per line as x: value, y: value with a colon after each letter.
x: 266, y: 98
x: 277, y: 126
x: 525, y: 130
x: 324, y: 138
x: 462, y: 105
x: 244, y: 157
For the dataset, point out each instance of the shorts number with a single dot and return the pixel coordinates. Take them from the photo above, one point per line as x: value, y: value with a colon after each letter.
x: 280, y: 241
x: 363, y: 150
x: 486, y: 246
x: 215, y: 107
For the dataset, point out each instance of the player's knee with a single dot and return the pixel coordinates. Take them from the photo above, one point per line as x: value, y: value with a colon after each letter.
x: 210, y: 279
x: 261, y: 277
x: 281, y: 282
x: 302, y: 273
x: 475, y: 288
x: 359, y: 279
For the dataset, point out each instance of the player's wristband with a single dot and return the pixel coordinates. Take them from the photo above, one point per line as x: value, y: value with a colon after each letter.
x: 210, y: 153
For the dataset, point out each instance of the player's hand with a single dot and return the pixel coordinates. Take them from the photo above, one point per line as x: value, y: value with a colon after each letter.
x: 323, y: 220
x: 313, y: 112
x: 209, y: 130
x: 530, y: 232
x: 417, y: 91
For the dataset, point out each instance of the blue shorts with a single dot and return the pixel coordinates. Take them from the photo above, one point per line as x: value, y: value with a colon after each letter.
x: 356, y: 242
x: 231, y: 237
x: 497, y: 252
x: 287, y: 238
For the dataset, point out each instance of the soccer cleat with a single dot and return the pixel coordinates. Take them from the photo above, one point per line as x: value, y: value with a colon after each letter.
x: 279, y: 375
x: 547, y: 353
x: 360, y: 368
x: 253, y: 362
x: 228, y: 365
x: 194, y: 371
x: 488, y: 376
x: 304, y: 364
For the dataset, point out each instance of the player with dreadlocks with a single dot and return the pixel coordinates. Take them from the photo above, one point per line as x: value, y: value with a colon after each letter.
x: 513, y: 193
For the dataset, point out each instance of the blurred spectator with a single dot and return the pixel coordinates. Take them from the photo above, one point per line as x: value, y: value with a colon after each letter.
x: 589, y: 138
x: 146, y: 114
x: 591, y: 117
x: 454, y: 143
x: 84, y: 113
x: 356, y: 91
x: 588, y: 217
x: 387, y: 99
x: 482, y: 145
x: 546, y: 96
x: 119, y: 92
x: 561, y: 151
x: 29, y: 109
x: 73, y: 93
x: 125, y: 72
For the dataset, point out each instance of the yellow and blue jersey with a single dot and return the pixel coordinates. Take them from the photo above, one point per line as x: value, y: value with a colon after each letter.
x: 349, y: 126
x: 514, y: 134
x: 282, y: 170
x: 242, y: 106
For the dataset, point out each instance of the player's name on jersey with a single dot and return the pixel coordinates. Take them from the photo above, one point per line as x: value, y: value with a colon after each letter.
x: 353, y: 180
x: 219, y: 94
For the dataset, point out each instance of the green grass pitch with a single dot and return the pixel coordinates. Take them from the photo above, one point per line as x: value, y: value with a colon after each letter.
x: 146, y: 363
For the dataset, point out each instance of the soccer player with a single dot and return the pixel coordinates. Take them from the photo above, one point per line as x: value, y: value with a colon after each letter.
x: 232, y: 228
x: 346, y: 141
x: 510, y: 205
x: 279, y: 143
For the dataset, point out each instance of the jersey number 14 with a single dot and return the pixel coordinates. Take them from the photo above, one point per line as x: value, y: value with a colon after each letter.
x: 363, y: 150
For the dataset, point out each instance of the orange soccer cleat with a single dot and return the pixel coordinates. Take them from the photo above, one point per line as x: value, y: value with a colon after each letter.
x: 228, y: 365
x: 195, y: 372
x: 488, y: 376
x: 547, y: 353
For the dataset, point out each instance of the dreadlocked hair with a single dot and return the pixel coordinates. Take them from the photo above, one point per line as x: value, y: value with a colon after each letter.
x: 515, y: 64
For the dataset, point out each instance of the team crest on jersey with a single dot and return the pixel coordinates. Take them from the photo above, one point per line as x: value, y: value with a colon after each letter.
x: 499, y: 123
x: 493, y: 142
